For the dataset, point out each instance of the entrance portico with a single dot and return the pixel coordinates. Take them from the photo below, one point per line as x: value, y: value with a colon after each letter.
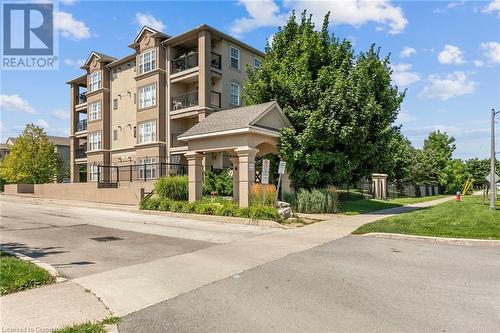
x: 244, y: 133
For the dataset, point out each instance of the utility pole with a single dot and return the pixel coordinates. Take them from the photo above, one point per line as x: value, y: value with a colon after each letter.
x: 493, y: 185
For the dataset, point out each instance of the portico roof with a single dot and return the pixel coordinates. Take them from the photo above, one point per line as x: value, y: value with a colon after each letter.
x: 262, y: 118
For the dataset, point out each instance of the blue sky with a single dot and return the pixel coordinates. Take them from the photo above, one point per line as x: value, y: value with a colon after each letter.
x: 446, y: 54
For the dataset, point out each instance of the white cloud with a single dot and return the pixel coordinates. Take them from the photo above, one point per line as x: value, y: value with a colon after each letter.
x: 449, y: 86
x: 355, y: 12
x: 266, y: 13
x: 408, y: 52
x: 263, y: 13
x: 15, y: 103
x: 404, y: 117
x: 492, y: 51
x: 451, y: 55
x: 42, y: 123
x: 70, y: 27
x: 76, y: 63
x: 493, y: 7
x: 478, y: 63
x: 150, y: 21
x: 403, y: 76
x: 60, y: 114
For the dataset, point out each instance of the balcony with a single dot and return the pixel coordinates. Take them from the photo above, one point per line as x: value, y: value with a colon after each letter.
x: 81, y: 125
x: 215, y: 60
x: 215, y: 99
x: 174, y: 143
x: 185, y: 101
x: 82, y: 98
x: 185, y: 62
x: 80, y: 153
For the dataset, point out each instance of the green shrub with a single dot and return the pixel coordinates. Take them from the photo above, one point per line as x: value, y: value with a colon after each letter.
x: 150, y: 204
x: 172, y: 187
x: 221, y: 182
x: 230, y: 209
x: 208, y: 208
x: 177, y: 206
x: 260, y: 212
x: 164, y: 204
x: 317, y: 201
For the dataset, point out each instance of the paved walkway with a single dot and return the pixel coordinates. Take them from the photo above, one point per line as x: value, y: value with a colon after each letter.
x: 128, y: 289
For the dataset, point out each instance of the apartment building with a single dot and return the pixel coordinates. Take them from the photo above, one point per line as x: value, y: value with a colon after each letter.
x: 130, y: 111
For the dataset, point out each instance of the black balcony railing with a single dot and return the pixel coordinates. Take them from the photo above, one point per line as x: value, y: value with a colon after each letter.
x: 185, y: 101
x: 111, y: 175
x: 215, y: 61
x: 81, y: 125
x: 176, y: 143
x: 82, y: 98
x: 185, y: 62
x: 216, y: 99
x: 81, y: 153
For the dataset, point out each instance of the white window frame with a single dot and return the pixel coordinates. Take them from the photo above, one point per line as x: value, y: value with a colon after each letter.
x: 150, y: 62
x: 95, y: 141
x: 236, y: 57
x: 255, y: 60
x: 236, y: 96
x: 149, y: 168
x: 95, y: 81
x: 147, y: 132
x: 95, y: 110
x: 93, y: 169
x: 147, y: 96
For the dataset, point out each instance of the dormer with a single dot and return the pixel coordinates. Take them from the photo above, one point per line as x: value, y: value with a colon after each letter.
x: 97, y: 73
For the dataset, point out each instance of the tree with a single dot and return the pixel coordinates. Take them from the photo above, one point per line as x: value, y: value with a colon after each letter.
x: 341, y: 106
x: 453, y: 176
x: 32, y: 159
x: 436, y: 154
x: 398, y: 158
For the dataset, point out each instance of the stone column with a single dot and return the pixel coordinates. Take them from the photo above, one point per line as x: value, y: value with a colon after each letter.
x: 379, y: 183
x: 246, y: 166
x: 204, y: 76
x: 236, y: 178
x: 194, y: 175
x: 72, y: 103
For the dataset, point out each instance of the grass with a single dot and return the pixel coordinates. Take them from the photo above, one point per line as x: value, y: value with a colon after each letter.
x: 466, y: 219
x: 17, y: 275
x: 96, y: 327
x: 360, y: 206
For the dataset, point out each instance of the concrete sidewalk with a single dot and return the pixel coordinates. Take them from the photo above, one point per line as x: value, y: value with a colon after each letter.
x: 49, y: 307
x: 129, y: 289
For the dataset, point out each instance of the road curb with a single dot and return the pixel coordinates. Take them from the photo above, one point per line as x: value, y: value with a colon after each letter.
x: 49, y: 268
x: 439, y: 240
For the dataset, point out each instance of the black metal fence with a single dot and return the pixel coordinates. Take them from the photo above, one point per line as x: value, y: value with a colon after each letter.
x: 364, y: 189
x: 111, y: 175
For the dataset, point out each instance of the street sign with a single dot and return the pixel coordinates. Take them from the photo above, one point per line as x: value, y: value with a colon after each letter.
x: 265, y: 172
x: 488, y: 178
x: 281, y: 168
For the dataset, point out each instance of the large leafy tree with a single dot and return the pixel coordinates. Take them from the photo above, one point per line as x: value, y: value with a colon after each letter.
x: 341, y: 105
x: 435, y: 156
x: 32, y: 159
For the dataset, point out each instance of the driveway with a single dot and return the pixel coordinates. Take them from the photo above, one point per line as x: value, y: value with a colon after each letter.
x: 355, y: 284
x: 81, y: 241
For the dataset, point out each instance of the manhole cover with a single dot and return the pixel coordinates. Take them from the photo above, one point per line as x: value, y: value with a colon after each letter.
x: 107, y: 239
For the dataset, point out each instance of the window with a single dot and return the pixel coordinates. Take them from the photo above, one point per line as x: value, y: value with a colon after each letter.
x: 135, y: 132
x: 147, y: 61
x: 93, y: 171
x: 95, y: 81
x: 95, y: 110
x: 115, y: 104
x: 256, y: 63
x: 95, y: 142
x: 147, y: 132
x: 147, y: 168
x: 235, y: 58
x: 147, y: 96
x: 235, y: 94
x: 115, y: 135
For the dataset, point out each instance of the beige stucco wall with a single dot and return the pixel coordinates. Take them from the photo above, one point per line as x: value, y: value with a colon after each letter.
x: 18, y: 188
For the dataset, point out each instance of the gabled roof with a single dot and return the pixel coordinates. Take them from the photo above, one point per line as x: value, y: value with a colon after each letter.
x: 101, y: 56
x: 242, y: 119
x: 155, y: 33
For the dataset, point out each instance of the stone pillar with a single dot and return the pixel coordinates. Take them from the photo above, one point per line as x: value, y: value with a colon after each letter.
x: 246, y: 166
x: 204, y: 76
x: 194, y: 175
x: 236, y: 178
x: 72, y: 103
x: 379, y: 184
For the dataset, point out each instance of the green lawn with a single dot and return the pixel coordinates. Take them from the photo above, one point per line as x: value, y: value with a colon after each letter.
x: 96, y: 327
x: 353, y: 207
x: 17, y: 275
x: 466, y: 219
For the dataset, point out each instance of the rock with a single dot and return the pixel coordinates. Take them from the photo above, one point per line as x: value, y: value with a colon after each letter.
x: 282, y: 204
x: 285, y: 212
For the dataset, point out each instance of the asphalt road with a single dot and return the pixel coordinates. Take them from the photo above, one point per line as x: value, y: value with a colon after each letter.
x: 77, y: 241
x: 356, y: 284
